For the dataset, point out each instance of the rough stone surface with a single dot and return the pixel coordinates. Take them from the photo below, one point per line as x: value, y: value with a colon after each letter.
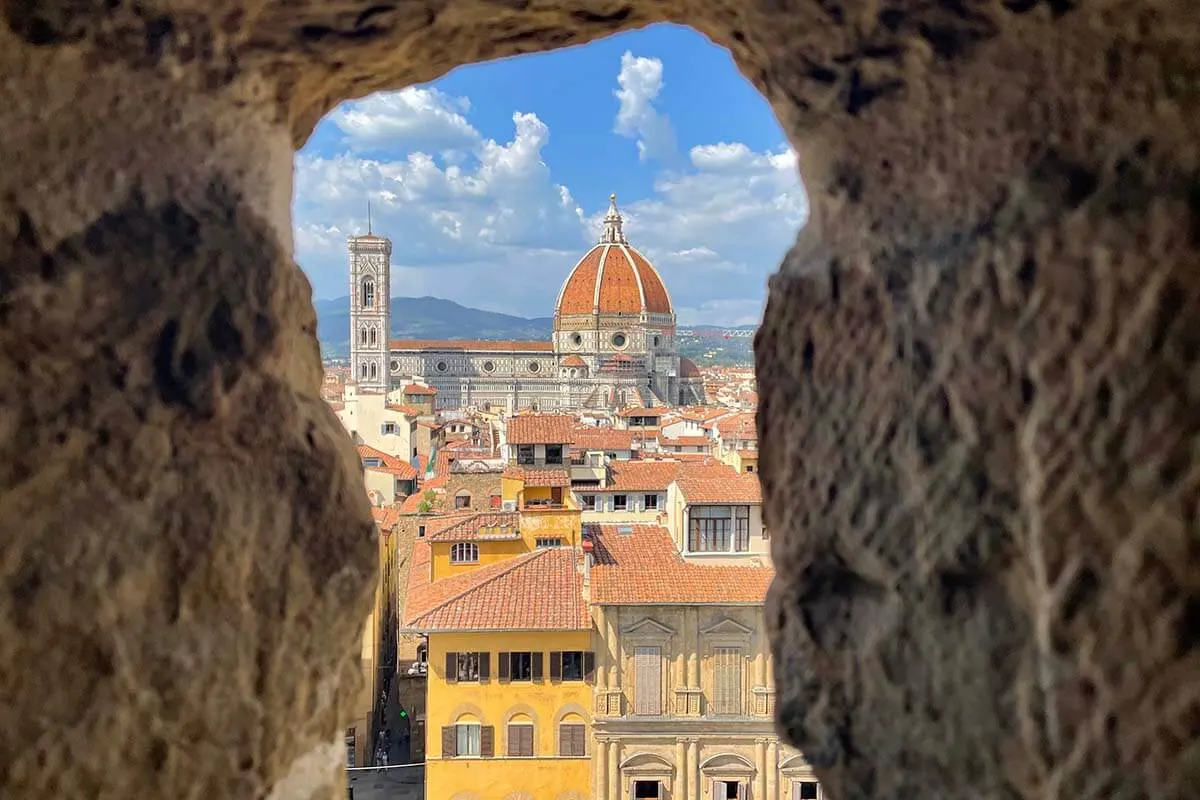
x: 977, y: 372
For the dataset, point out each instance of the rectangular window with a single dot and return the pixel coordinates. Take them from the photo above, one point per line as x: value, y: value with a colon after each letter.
x: 389, y: 427
x: 729, y: 790
x: 350, y: 739
x: 647, y: 681
x: 467, y: 739
x: 525, y: 454
x: 741, y: 529
x: 520, y: 739
x: 572, y: 665
x: 467, y: 667
x: 727, y: 680
x: 647, y: 790
x: 464, y: 553
x: 516, y: 666
x: 554, y: 454
x: 372, y: 462
x: 806, y: 790
x: 572, y: 740
x: 587, y: 502
x: 651, y: 502
x: 710, y: 529
x: 549, y: 542
x: 620, y: 502
x: 494, y: 501
x: 462, y: 501
x: 420, y: 531
x: 749, y: 468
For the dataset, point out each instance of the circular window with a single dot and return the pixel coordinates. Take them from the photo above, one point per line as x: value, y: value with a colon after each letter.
x: 577, y: 339
x: 619, y: 340
x: 395, y: 365
x: 489, y: 366
x: 441, y: 366
x: 534, y: 366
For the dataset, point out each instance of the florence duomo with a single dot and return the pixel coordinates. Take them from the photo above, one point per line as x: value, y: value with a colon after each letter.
x: 613, y: 342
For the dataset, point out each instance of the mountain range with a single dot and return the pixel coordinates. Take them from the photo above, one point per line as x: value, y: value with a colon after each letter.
x: 435, y: 318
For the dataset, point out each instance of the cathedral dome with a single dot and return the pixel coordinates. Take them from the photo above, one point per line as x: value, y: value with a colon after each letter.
x: 613, y: 278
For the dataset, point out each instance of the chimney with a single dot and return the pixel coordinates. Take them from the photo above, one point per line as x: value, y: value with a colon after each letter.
x: 588, y: 557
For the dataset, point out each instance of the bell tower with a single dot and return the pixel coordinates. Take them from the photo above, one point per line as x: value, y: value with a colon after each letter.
x: 370, y: 312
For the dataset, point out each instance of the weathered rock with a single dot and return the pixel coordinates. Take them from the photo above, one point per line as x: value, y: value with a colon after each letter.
x: 977, y: 375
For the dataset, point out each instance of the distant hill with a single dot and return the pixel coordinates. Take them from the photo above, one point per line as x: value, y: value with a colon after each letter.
x: 435, y: 318
x: 427, y: 318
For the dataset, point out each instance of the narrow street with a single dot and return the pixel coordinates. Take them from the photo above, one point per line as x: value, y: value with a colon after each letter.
x: 387, y: 783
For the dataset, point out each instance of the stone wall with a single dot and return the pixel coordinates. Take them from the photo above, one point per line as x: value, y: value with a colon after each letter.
x: 977, y: 375
x: 480, y: 486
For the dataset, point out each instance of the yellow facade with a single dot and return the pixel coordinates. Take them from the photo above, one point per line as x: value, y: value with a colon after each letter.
x: 741, y: 460
x: 489, y: 553
x: 561, y: 523
x: 497, y: 703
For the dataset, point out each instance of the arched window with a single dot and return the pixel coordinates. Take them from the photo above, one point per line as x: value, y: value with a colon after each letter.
x: 463, y: 738
x: 374, y: 339
x: 367, y: 297
x: 462, y: 499
x: 362, y: 371
x: 494, y: 500
x: 363, y: 336
x: 572, y: 736
x: 520, y: 736
x: 464, y: 553
x: 374, y: 371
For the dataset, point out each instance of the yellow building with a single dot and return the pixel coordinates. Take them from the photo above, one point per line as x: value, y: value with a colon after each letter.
x: 598, y: 661
x: 499, y: 596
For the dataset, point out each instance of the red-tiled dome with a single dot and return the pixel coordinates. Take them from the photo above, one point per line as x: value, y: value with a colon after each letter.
x: 688, y: 368
x: 613, y: 278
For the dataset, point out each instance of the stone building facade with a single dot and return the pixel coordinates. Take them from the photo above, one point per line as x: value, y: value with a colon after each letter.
x: 613, y: 343
x: 684, y: 696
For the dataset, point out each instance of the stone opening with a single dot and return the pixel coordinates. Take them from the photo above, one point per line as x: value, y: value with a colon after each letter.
x: 977, y: 373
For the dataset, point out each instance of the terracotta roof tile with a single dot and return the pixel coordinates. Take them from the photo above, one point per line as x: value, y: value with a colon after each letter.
x: 416, y: 388
x: 590, y: 437
x: 489, y: 345
x: 408, y: 411
x: 542, y: 590
x: 405, y: 472
x: 647, y: 476
x: 619, y: 290
x: 628, y: 282
x: 657, y: 299
x: 474, y: 526
x: 737, y: 426
x: 686, y: 441
x: 642, y: 567
x: 540, y: 429
x: 387, y: 463
x: 412, y: 503
x: 716, y: 483
x: 573, y: 361
x: 539, y: 476
x: 642, y: 411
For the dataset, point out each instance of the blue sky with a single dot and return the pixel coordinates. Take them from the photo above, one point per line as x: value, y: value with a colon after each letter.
x: 491, y: 181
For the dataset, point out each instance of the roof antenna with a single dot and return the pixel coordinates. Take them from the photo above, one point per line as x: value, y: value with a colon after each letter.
x: 368, y: 216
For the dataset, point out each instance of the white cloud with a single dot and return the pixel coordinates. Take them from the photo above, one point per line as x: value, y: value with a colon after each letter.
x: 640, y: 81
x: 731, y: 313
x: 492, y: 228
x: 412, y: 118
